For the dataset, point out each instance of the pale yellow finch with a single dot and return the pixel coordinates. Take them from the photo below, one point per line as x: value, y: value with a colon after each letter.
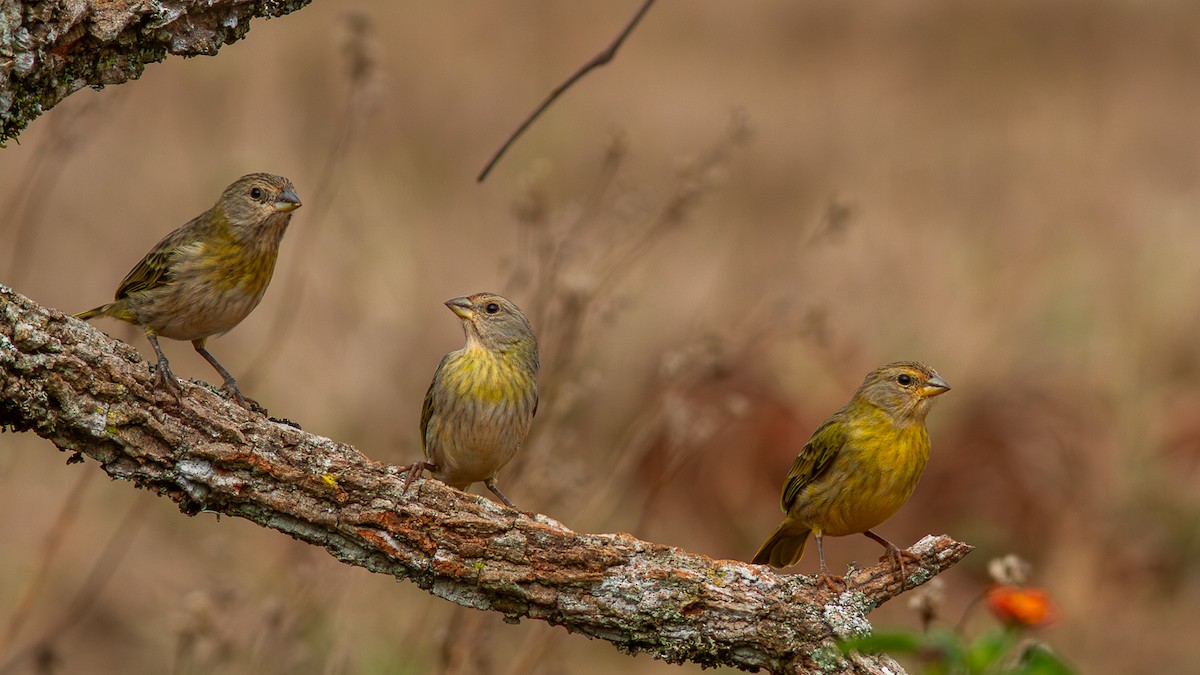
x: 483, y: 397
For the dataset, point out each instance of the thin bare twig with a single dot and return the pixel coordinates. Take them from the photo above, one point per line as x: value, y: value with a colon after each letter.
x: 606, y: 55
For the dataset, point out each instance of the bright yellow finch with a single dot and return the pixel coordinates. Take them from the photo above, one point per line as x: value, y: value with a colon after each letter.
x: 205, y: 277
x: 483, y: 397
x: 859, y: 467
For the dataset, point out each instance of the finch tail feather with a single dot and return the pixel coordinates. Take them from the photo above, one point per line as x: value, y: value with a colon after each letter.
x: 784, y: 547
x: 92, y: 313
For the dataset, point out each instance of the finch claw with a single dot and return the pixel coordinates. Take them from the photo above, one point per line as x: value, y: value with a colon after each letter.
x: 835, y: 584
x: 231, y: 387
x: 896, y: 556
x: 168, y: 381
x: 414, y: 470
x: 253, y: 406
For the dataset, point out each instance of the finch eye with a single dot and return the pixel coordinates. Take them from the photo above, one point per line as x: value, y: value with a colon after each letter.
x: 256, y: 193
x: 492, y: 308
x: 904, y: 379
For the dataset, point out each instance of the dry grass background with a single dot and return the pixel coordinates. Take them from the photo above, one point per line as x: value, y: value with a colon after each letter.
x: 717, y: 236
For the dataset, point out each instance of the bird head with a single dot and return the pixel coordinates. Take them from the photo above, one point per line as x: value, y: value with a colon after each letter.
x: 904, y: 389
x: 494, y: 323
x: 257, y: 200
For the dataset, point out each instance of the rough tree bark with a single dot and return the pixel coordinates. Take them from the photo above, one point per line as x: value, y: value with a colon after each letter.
x: 93, y: 396
x: 50, y: 49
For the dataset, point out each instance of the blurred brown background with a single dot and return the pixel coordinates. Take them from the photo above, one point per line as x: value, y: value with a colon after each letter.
x: 717, y: 236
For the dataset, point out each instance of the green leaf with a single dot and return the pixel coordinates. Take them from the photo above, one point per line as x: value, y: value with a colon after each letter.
x: 1038, y: 660
x: 895, y: 641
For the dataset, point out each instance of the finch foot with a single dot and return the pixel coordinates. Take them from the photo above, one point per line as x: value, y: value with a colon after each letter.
x: 230, y: 385
x: 491, y: 485
x: 835, y: 584
x: 896, y: 555
x: 166, y: 379
x: 415, y: 470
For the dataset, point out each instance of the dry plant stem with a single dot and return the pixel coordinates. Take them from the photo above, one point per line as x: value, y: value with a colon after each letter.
x: 53, y: 48
x: 36, y: 187
x: 91, y: 395
x: 103, y: 568
x: 50, y: 547
x: 605, y: 56
x: 359, y: 72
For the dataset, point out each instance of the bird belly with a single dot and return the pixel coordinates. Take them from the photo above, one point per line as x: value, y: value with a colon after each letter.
x: 192, y: 309
x: 870, y: 510
x: 472, y: 455
x: 463, y: 466
x: 482, y: 410
x: 185, y: 317
x: 867, y: 485
x: 473, y: 440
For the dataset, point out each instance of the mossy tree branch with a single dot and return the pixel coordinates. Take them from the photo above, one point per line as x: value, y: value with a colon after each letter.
x: 94, y: 396
x: 50, y: 49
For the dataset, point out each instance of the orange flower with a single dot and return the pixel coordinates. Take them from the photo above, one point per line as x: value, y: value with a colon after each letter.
x: 1026, y: 607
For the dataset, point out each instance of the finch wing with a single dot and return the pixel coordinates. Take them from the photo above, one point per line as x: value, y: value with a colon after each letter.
x: 426, y: 413
x: 428, y: 407
x: 813, y: 459
x: 151, y: 272
x: 155, y: 269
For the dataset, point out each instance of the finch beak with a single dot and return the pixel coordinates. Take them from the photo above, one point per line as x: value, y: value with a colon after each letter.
x: 936, y: 385
x: 287, y: 201
x: 461, y: 307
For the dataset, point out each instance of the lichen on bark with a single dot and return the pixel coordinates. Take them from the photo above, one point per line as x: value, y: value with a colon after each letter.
x: 50, y: 49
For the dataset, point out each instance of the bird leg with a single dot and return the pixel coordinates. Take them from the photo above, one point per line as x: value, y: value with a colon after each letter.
x: 831, y: 582
x: 491, y: 485
x: 895, y: 554
x: 166, y: 378
x: 230, y: 384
